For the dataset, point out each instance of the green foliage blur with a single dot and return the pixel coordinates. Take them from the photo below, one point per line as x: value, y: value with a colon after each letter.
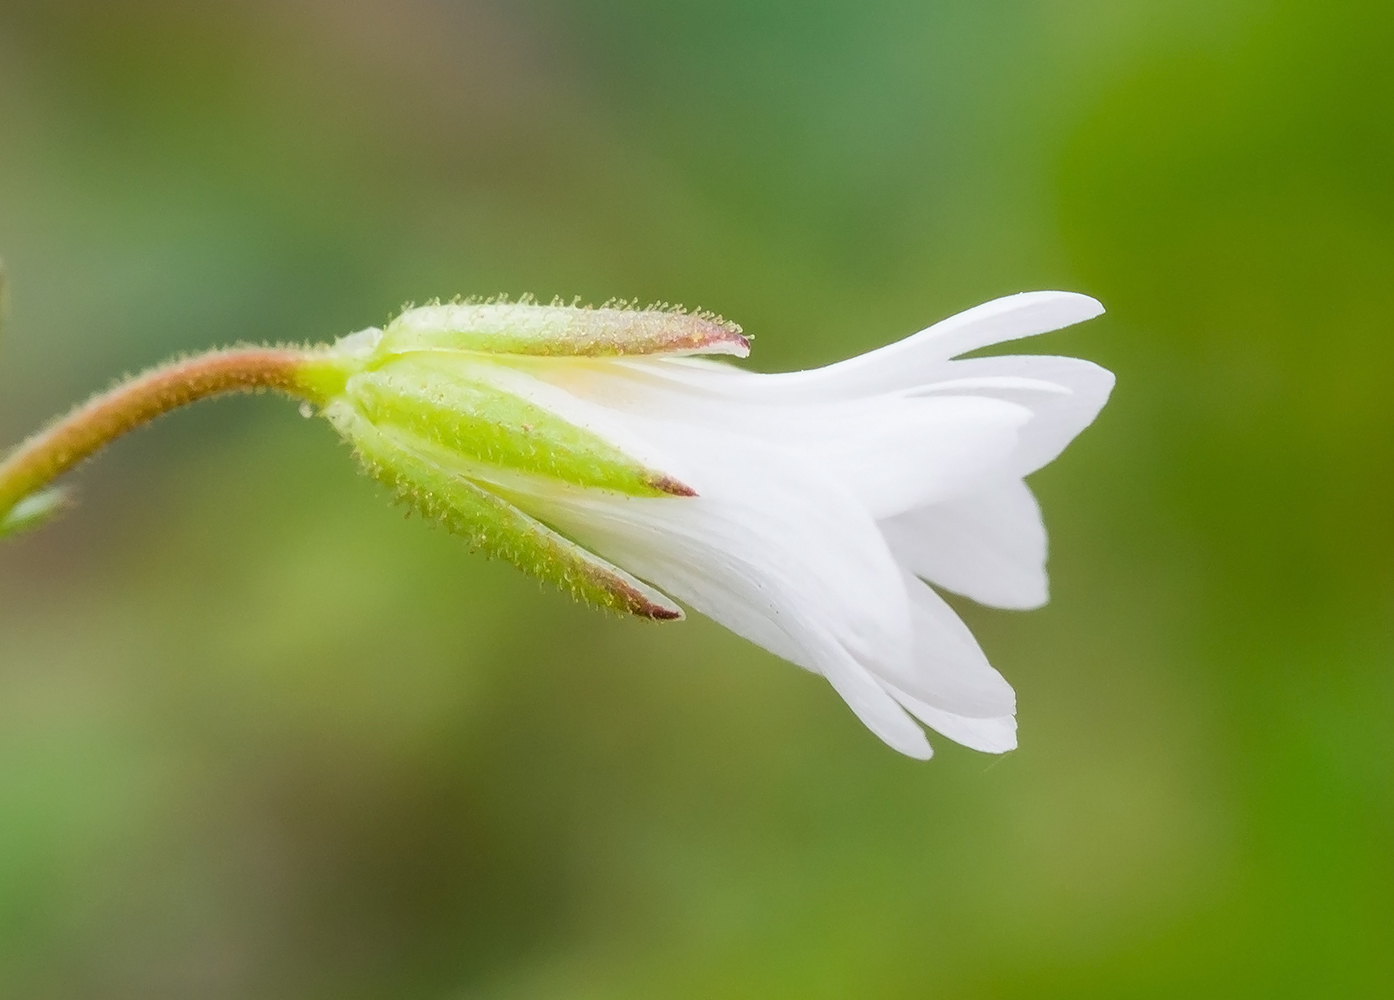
x: 261, y: 737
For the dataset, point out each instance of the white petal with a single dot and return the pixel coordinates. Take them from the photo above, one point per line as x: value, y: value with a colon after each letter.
x: 914, y: 361
x: 713, y: 558
x: 894, y: 452
x: 789, y: 561
x: 897, y: 454
x: 986, y: 735
x: 949, y: 670
x: 767, y: 548
x: 876, y: 707
x: 1011, y: 317
x: 990, y: 546
x: 1064, y: 394
x: 1003, y: 386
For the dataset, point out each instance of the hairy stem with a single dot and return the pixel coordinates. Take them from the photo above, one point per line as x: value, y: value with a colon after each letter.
x: 67, y: 442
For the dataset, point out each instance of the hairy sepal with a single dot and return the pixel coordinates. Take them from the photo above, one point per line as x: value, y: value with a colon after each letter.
x: 527, y: 328
x: 451, y: 402
x: 489, y: 523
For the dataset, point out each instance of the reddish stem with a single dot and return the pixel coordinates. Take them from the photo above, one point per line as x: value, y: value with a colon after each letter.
x: 70, y: 440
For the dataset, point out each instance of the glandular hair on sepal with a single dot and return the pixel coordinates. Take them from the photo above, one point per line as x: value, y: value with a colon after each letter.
x: 526, y: 328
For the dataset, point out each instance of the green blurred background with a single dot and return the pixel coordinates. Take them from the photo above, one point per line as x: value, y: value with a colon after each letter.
x: 262, y: 738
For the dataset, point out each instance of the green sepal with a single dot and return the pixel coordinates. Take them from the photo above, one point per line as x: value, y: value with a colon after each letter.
x: 33, y: 511
x: 423, y: 478
x: 453, y: 403
x: 527, y: 328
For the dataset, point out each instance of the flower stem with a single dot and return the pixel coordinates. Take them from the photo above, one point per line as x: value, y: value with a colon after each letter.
x: 31, y: 466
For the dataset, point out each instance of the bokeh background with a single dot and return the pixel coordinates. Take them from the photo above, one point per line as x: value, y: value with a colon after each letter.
x: 261, y: 737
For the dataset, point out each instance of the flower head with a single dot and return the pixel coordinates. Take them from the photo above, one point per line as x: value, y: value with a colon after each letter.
x: 599, y: 449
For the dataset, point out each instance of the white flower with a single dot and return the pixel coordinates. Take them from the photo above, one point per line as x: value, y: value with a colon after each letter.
x: 803, y: 511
